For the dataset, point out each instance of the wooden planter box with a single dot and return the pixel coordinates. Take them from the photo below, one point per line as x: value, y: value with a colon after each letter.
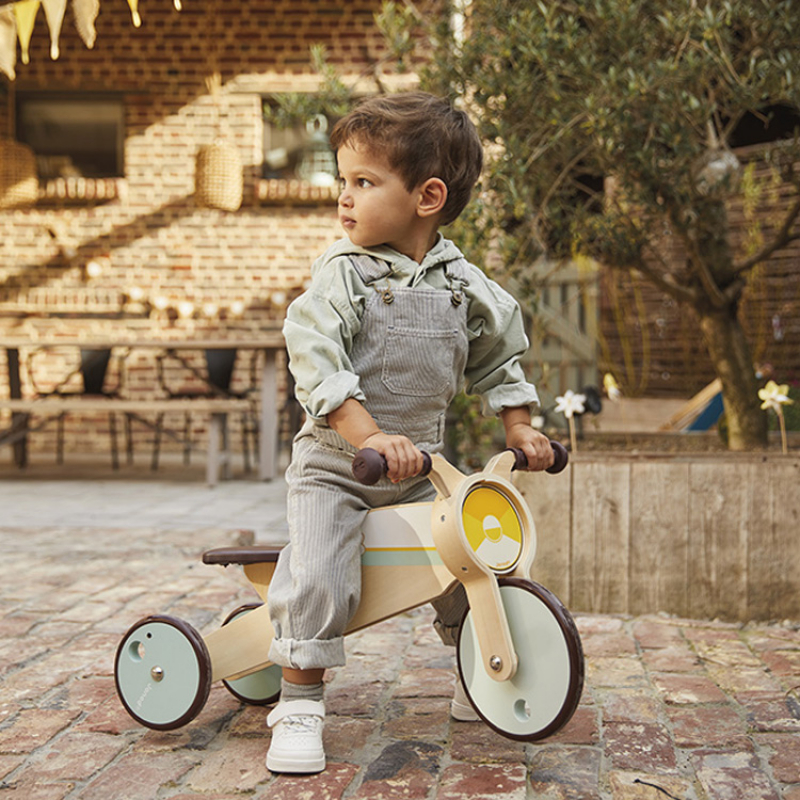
x: 698, y: 536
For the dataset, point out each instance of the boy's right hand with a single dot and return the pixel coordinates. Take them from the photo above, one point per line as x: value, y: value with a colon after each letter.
x: 403, y: 459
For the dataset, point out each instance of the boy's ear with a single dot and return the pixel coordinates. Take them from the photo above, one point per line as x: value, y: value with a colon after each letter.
x: 432, y: 197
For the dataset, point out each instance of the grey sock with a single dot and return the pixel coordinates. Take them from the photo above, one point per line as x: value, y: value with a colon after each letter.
x: 298, y: 691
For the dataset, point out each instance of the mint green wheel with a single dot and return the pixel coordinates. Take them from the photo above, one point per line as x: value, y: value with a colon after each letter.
x: 546, y: 689
x: 260, y: 688
x: 163, y: 672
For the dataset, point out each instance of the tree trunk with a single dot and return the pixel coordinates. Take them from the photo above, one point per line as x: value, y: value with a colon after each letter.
x: 730, y: 354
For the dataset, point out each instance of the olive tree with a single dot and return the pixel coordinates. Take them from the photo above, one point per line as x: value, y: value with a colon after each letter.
x: 608, y: 123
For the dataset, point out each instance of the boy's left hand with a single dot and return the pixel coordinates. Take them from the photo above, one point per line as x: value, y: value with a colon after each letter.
x: 534, y: 444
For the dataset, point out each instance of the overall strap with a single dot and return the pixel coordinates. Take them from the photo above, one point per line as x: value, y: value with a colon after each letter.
x: 371, y: 270
x: 456, y: 273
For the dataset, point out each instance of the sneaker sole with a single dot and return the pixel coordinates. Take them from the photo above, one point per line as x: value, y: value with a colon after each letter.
x: 463, y: 713
x: 297, y: 766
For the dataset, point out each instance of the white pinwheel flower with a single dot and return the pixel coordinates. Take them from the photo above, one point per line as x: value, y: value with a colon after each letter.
x: 570, y: 403
x: 774, y: 396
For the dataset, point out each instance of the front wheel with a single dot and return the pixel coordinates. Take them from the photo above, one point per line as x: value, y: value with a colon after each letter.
x: 546, y: 689
x: 163, y: 672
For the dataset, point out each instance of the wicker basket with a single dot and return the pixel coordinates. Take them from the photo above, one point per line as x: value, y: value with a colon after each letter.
x: 19, y: 185
x: 218, y: 176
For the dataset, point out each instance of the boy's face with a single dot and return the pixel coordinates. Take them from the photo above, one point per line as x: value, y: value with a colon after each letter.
x: 375, y: 207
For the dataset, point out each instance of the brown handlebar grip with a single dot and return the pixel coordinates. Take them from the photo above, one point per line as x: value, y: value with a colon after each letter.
x: 559, y: 452
x: 369, y: 466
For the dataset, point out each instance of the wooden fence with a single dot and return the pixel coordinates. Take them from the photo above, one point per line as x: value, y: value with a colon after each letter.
x: 700, y: 536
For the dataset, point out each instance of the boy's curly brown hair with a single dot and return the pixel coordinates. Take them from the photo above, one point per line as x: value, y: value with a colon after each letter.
x: 422, y: 136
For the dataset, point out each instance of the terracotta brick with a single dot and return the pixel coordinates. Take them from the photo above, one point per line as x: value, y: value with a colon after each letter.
x: 417, y: 718
x: 32, y: 789
x: 713, y: 726
x: 589, y: 625
x: 610, y: 644
x: 566, y: 773
x: 652, y: 633
x: 8, y: 763
x: 646, y: 786
x: 732, y: 776
x: 240, y: 765
x: 358, y: 701
x: 328, y: 785
x: 779, y: 714
x: 482, y: 782
x: 139, y: 776
x: 639, y: 746
x: 475, y: 742
x: 33, y: 728
x: 673, y: 658
x: 426, y: 683
x: 736, y: 680
x: 617, y: 672
x: 630, y: 706
x: 785, y: 759
x: 78, y: 756
x: 344, y: 736
x: 408, y: 783
x: 783, y: 662
x: 681, y: 689
x: 581, y: 729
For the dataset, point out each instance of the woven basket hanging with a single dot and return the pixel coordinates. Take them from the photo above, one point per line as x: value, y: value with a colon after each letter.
x: 19, y: 184
x: 218, y: 176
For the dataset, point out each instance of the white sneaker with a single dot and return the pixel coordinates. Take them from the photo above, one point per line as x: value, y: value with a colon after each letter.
x: 296, y: 737
x: 460, y: 706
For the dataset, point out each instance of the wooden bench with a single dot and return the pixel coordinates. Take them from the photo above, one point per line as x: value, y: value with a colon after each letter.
x: 218, y: 454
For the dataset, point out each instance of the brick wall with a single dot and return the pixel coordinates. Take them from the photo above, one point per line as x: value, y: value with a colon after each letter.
x: 152, y: 236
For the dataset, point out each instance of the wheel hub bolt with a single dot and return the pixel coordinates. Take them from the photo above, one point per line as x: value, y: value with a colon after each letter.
x: 157, y: 674
x: 496, y: 663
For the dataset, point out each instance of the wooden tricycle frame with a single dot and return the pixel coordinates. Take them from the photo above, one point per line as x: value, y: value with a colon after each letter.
x: 519, y: 653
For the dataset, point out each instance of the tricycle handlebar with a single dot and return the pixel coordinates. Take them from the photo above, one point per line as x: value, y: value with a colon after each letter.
x: 369, y: 466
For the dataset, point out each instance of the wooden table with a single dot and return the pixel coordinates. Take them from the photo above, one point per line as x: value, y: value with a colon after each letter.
x: 267, y: 346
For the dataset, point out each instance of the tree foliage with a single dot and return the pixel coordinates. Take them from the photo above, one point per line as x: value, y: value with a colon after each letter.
x: 645, y: 93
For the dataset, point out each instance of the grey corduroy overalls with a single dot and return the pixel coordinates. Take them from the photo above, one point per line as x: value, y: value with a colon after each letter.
x: 410, y: 356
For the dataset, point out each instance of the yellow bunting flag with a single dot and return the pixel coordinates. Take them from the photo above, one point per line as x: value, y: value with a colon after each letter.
x: 137, y: 20
x: 86, y: 12
x: 25, y: 13
x: 54, y: 13
x: 8, y: 41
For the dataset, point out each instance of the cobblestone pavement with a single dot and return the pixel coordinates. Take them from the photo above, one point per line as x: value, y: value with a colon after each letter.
x: 673, y: 708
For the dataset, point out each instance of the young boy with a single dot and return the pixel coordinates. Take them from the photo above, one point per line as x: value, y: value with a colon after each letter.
x: 394, y: 323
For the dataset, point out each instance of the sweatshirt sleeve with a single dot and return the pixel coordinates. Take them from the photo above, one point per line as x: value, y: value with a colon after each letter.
x: 497, y: 343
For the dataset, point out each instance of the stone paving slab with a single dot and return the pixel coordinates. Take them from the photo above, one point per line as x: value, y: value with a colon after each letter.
x: 673, y: 708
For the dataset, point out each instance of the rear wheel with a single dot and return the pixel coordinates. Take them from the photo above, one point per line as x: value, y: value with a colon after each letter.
x: 260, y: 688
x: 162, y: 671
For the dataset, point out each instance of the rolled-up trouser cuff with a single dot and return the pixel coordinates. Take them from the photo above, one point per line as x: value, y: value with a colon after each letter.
x: 310, y: 654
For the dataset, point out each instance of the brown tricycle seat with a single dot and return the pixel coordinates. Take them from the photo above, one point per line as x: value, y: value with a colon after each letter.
x: 255, y: 554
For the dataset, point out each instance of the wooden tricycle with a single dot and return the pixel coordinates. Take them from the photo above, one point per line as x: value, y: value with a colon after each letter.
x: 519, y: 654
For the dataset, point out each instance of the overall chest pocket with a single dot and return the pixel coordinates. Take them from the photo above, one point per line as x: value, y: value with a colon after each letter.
x: 419, y: 363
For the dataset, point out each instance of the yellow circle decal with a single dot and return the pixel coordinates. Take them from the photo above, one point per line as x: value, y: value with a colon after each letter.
x: 492, y: 527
